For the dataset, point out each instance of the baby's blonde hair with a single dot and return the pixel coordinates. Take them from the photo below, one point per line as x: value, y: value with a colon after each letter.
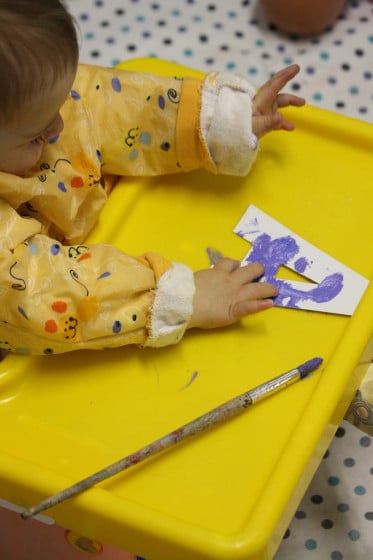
x: 38, y: 46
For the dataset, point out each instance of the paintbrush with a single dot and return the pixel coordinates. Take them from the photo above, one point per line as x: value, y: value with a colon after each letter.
x: 215, y: 416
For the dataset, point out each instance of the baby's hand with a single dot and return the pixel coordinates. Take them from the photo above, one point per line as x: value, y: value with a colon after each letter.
x: 268, y: 99
x: 227, y: 292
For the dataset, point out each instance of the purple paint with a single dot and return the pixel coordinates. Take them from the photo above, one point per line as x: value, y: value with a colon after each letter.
x: 273, y: 253
x: 325, y: 291
x: 301, y: 264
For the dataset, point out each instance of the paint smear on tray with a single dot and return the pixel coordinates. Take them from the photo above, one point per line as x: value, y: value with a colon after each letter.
x: 191, y: 380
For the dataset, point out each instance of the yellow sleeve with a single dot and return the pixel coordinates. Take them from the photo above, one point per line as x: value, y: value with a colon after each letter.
x: 56, y: 298
x: 145, y: 124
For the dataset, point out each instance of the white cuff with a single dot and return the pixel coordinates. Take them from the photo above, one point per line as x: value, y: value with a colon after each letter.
x: 172, y: 307
x: 226, y: 114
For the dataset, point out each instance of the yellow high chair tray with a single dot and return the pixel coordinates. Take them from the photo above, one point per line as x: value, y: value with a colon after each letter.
x: 230, y: 492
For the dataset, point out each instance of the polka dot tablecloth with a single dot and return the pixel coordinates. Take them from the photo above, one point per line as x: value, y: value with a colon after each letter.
x: 337, y: 67
x: 334, y: 521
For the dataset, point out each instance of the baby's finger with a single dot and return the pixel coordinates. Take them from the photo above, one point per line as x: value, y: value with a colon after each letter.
x: 274, y: 85
x: 249, y: 272
x: 259, y: 290
x: 248, y: 307
x: 287, y: 99
x: 228, y: 264
x: 266, y: 123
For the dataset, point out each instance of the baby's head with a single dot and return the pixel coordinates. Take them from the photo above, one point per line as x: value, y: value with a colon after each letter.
x: 38, y: 61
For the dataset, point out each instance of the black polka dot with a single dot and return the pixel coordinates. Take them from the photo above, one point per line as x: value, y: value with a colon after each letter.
x: 317, y: 499
x: 359, y: 52
x: 343, y: 508
x: 369, y: 515
x: 300, y: 514
x: 203, y: 38
x: 167, y: 41
x: 340, y: 432
x: 287, y: 534
x: 327, y: 524
x: 340, y: 104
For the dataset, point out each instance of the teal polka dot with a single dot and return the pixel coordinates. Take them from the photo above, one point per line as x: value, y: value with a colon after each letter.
x: 145, y: 138
x: 310, y: 544
x: 89, y: 35
x: 333, y: 480
x: 353, y: 535
x: 354, y: 90
x: 370, y: 38
x: 125, y: 28
x: 33, y: 248
x: 140, y: 18
x: 253, y: 70
x: 324, y: 55
x: 317, y: 96
x: 232, y: 14
x: 188, y: 52
x: 259, y: 42
x: 360, y: 490
x: 23, y: 351
x: 230, y: 65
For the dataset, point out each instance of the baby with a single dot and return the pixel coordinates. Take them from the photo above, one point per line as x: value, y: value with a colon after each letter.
x: 66, y: 132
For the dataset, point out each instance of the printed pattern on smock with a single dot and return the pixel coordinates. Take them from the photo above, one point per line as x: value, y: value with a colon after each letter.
x: 59, y: 294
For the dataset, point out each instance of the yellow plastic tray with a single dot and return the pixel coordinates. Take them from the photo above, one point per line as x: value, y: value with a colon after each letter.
x: 228, y: 493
